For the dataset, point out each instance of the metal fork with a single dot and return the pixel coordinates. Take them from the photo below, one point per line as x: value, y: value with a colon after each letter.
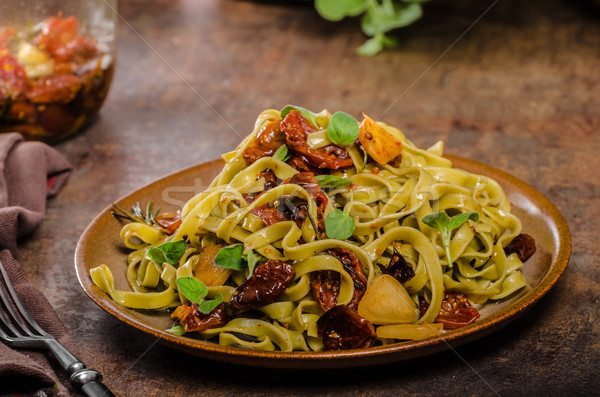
x: 19, y: 330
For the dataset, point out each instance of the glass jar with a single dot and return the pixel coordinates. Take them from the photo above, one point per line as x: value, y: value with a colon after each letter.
x: 57, y: 59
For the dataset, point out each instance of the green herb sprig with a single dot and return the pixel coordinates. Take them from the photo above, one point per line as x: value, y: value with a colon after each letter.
x: 137, y: 214
x: 342, y: 129
x: 231, y: 257
x: 282, y: 153
x: 332, y: 181
x: 195, y: 291
x: 379, y: 17
x: 445, y: 224
x: 339, y: 225
x: 169, y: 252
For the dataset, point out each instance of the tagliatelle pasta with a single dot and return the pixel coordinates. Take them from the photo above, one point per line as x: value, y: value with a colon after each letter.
x: 267, y: 239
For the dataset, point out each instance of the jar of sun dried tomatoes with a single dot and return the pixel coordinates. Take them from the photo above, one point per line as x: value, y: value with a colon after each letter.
x: 57, y: 58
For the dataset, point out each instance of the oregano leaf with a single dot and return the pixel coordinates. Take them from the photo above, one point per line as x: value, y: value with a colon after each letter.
x: 339, y: 225
x: 192, y: 288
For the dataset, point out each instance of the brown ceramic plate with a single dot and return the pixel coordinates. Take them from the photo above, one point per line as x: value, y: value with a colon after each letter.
x: 100, y: 244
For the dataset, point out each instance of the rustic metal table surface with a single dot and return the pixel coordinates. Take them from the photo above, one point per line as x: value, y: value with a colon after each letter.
x: 508, y: 83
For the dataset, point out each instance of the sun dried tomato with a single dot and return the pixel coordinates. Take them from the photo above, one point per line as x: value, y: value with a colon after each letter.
x: 265, y: 143
x: 193, y: 319
x: 456, y: 311
x: 398, y: 268
x: 169, y: 221
x: 308, y: 182
x: 298, y: 163
x: 296, y: 129
x: 523, y: 245
x: 325, y: 287
x: 56, y: 88
x: 268, y: 281
x: 269, y: 215
x: 341, y: 329
x: 325, y: 284
x: 13, y: 79
x: 271, y: 181
x: 60, y: 37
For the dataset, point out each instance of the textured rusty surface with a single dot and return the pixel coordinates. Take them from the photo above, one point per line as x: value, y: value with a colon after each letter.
x: 518, y: 91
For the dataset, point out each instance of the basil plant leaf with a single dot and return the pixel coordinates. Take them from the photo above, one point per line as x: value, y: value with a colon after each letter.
x: 437, y: 220
x: 177, y: 330
x: 371, y: 47
x: 252, y: 260
x: 192, y: 288
x: 332, y: 181
x: 231, y: 257
x: 304, y: 112
x: 336, y: 10
x: 458, y: 220
x: 383, y: 19
x: 169, y: 252
x: 208, y: 306
x: 282, y: 153
x: 339, y: 225
x: 342, y: 129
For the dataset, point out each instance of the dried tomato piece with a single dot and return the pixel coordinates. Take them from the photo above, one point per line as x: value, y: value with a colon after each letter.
x: 193, y: 319
x: 271, y: 181
x: 296, y: 129
x: 308, y: 182
x: 269, y: 215
x: 523, y: 245
x: 264, y: 286
x: 170, y: 221
x: 325, y: 284
x: 456, y: 311
x: 298, y: 163
x: 60, y: 37
x: 294, y: 208
x: 342, y: 328
x: 398, y: 268
x: 265, y: 143
x: 13, y: 79
x: 325, y: 287
x: 56, y: 88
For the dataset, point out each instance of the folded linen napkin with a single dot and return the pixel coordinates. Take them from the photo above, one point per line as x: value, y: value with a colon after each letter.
x: 29, y: 173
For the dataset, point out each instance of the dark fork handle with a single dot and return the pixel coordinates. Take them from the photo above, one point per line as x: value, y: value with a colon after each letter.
x: 88, y: 380
x: 96, y: 389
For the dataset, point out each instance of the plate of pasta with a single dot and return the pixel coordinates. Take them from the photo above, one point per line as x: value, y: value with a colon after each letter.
x: 324, y: 242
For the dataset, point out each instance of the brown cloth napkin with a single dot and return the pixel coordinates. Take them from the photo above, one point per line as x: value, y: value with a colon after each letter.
x: 29, y: 173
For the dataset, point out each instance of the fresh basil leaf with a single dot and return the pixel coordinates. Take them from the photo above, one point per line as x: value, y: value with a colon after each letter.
x: 441, y: 221
x: 336, y: 10
x: 371, y: 47
x: 231, y: 257
x: 437, y: 220
x: 383, y: 19
x: 339, y: 225
x: 312, y: 117
x: 342, y: 129
x: 169, y: 252
x: 458, y: 220
x: 192, y: 288
x: 252, y: 260
x: 332, y: 181
x: 282, y: 153
x: 177, y: 330
x: 208, y: 306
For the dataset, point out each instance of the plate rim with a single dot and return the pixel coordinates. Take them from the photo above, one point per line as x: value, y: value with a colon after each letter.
x: 355, y: 357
